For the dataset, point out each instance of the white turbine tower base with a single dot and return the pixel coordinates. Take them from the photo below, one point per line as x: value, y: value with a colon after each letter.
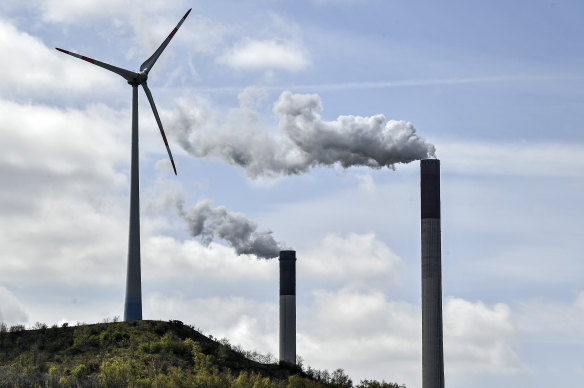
x: 133, y: 303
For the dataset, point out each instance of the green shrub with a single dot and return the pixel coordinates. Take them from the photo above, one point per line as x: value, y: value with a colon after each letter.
x: 80, y: 371
x: 253, y: 380
x: 116, y: 372
x: 299, y: 382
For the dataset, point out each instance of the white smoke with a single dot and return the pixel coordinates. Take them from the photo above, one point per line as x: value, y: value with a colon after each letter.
x: 208, y: 223
x: 304, y: 140
x: 235, y: 228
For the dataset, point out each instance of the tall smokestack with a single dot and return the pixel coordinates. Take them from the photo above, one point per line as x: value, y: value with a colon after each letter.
x: 288, y: 306
x: 432, y: 349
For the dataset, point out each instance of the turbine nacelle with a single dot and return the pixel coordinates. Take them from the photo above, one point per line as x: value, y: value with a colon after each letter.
x: 139, y: 79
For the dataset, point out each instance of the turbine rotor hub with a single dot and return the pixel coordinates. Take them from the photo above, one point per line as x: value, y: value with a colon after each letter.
x: 140, y: 78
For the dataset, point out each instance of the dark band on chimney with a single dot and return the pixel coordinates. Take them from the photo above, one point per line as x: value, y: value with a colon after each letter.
x: 287, y: 272
x: 430, y: 188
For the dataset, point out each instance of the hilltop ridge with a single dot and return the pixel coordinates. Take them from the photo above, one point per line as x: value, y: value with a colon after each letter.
x: 145, y: 354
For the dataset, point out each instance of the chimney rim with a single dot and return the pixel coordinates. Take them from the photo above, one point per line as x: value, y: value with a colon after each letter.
x: 287, y: 254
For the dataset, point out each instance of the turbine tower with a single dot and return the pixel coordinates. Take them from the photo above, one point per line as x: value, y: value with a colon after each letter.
x: 133, y: 303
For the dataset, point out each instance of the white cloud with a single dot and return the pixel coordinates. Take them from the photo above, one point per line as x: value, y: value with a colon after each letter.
x: 204, y: 35
x: 479, y: 339
x: 166, y: 258
x: 37, y: 70
x: 198, y: 34
x: 11, y: 311
x: 75, y: 12
x: 550, y: 159
x: 61, y: 211
x: 63, y: 142
x: 266, y: 55
x: 553, y: 321
x: 70, y: 11
x: 357, y: 259
x: 579, y: 302
x: 372, y: 336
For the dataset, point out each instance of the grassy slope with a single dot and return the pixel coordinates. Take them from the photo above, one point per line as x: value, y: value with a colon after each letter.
x: 141, y: 353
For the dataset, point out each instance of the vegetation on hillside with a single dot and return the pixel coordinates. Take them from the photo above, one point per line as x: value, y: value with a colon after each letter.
x: 146, y: 354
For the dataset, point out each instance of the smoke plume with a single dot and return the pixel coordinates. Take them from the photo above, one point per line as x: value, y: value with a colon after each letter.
x: 304, y: 139
x: 239, y: 232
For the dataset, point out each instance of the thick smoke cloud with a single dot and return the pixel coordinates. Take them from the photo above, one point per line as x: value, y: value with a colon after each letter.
x: 239, y: 232
x: 304, y: 140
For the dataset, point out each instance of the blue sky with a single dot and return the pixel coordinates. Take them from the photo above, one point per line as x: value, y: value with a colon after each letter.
x: 495, y: 86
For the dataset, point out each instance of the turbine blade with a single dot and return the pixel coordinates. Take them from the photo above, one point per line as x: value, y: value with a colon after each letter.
x: 149, y: 95
x: 147, y: 65
x: 127, y: 74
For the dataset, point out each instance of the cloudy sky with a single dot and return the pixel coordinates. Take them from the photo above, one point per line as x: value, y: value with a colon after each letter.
x: 291, y: 120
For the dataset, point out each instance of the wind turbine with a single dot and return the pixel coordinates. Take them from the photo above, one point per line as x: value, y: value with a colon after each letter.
x: 133, y: 303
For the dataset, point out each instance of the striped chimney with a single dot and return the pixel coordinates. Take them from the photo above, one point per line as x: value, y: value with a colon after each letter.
x: 288, y: 306
x: 432, y: 341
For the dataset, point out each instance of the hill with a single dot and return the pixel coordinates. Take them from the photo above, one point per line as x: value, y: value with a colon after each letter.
x: 145, y: 354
